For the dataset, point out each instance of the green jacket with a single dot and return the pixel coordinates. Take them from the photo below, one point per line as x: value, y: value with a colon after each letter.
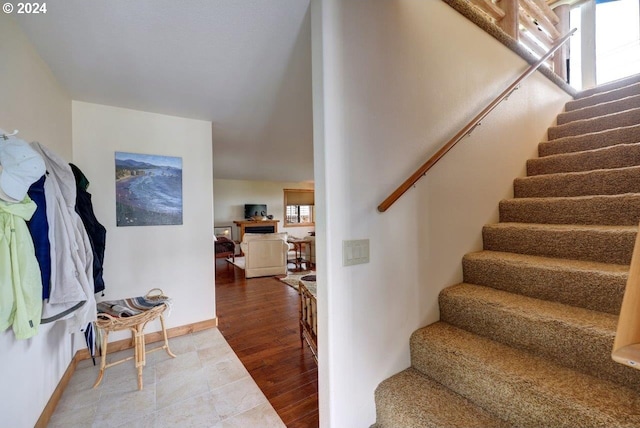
x: 20, y: 281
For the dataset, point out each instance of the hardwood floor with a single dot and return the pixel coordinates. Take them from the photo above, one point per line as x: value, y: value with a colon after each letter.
x: 259, y: 319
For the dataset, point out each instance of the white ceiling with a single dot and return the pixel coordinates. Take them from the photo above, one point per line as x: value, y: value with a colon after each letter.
x: 244, y: 65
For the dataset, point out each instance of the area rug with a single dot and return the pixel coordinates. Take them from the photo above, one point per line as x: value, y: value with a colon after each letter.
x: 239, y: 262
x: 293, y: 279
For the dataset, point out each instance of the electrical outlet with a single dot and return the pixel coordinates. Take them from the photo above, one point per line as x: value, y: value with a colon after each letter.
x: 355, y: 252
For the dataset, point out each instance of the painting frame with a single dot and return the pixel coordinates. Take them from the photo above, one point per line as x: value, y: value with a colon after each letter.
x: 148, y: 189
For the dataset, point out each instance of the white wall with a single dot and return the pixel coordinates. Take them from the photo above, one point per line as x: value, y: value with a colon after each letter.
x: 231, y: 195
x: 179, y: 258
x: 33, y: 102
x: 393, y: 81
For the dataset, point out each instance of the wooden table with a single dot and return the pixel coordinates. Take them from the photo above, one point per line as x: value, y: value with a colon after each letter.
x: 298, y: 246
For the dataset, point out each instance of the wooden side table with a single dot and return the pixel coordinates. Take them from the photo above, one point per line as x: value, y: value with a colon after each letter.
x: 308, y: 316
x: 136, y: 324
x: 298, y: 246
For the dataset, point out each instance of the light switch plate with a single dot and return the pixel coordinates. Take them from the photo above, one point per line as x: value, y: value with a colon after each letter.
x: 355, y: 252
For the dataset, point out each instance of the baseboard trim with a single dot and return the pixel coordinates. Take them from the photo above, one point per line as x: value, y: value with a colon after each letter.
x: 83, y: 354
x: 123, y: 344
x: 46, y: 414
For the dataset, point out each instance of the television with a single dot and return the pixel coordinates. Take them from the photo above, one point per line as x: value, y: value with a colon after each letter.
x: 251, y: 210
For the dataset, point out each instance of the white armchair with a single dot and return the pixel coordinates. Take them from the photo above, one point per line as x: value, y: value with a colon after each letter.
x: 265, y: 254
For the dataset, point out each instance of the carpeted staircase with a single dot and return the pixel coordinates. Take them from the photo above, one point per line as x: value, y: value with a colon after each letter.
x: 525, y: 340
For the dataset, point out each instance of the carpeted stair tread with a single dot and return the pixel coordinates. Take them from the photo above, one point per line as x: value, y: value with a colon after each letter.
x: 524, y: 389
x: 597, y: 182
x: 619, y: 156
x: 601, y: 109
x: 527, y: 336
x: 411, y: 399
x: 578, y: 338
x: 590, y: 141
x: 603, y: 97
x: 623, y: 209
x: 596, y: 243
x: 586, y: 126
x: 610, y: 86
x: 590, y: 285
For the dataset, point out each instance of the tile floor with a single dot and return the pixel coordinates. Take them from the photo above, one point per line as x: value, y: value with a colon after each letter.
x: 205, y: 386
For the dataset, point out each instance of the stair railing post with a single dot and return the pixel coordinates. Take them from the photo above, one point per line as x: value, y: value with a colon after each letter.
x: 509, y: 24
x: 626, y: 345
x: 561, y: 56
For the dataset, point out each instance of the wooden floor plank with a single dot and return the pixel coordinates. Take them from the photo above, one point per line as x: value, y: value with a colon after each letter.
x: 296, y: 411
x: 309, y: 420
x: 259, y: 319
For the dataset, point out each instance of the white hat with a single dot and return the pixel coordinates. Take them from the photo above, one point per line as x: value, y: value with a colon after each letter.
x: 21, y: 167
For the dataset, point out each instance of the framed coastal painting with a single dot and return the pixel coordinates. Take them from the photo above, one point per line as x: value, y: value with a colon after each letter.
x: 148, y: 189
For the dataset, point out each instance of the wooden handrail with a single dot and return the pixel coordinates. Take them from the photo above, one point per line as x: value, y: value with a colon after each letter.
x: 468, y: 128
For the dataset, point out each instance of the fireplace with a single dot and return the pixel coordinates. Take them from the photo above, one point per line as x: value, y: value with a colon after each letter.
x: 256, y: 226
x: 259, y: 229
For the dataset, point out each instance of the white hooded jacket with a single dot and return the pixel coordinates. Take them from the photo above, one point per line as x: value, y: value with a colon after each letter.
x: 71, y: 255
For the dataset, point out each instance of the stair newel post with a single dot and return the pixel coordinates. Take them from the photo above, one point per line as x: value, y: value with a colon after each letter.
x: 626, y: 347
x: 561, y: 57
x: 509, y: 24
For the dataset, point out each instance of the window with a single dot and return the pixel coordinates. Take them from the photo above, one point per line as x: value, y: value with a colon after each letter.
x: 617, y: 39
x: 606, y: 46
x: 298, y: 207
